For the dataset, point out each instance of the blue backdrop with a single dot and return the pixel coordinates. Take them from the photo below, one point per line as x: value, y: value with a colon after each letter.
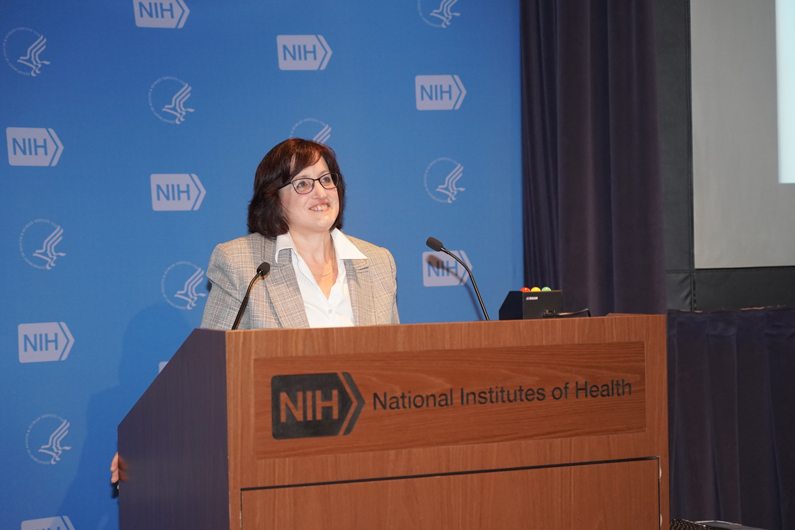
x: 133, y: 130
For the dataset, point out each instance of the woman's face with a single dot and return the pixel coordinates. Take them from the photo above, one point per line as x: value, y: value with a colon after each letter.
x: 314, y: 212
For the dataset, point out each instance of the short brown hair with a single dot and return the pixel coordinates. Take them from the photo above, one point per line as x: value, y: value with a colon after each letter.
x: 280, y: 165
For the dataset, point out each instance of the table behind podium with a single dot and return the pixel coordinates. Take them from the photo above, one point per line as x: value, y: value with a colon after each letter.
x: 513, y: 424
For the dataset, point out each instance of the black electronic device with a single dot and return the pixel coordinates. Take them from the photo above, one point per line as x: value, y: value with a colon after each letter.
x: 519, y: 305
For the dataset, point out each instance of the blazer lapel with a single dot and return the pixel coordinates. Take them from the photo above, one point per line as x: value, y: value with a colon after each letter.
x: 284, y: 292
x: 360, y: 289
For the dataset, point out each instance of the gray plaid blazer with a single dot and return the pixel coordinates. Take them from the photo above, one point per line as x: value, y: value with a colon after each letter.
x: 276, y: 302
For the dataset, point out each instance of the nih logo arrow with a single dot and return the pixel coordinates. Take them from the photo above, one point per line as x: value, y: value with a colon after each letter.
x: 160, y: 13
x: 439, y: 92
x: 176, y: 192
x: 33, y: 147
x: 44, y: 342
x: 313, y: 405
x: 303, y: 52
x: 440, y: 270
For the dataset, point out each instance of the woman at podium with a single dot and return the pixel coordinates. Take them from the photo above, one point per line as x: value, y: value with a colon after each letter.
x: 318, y: 277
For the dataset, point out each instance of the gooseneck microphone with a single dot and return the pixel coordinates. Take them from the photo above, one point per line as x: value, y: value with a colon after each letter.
x: 262, y: 271
x: 436, y: 245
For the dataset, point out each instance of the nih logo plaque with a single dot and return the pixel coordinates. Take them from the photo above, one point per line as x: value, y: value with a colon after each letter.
x: 439, y: 92
x: 176, y: 192
x: 314, y: 405
x: 440, y: 270
x: 303, y: 52
x: 170, y: 14
x: 404, y: 400
x: 28, y: 146
x: 44, y: 342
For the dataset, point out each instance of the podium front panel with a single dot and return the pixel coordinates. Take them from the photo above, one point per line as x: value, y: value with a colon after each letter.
x: 621, y: 495
x: 511, y: 424
x: 384, y: 401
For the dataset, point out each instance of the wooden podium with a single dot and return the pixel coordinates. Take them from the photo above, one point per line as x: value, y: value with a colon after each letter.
x: 510, y: 424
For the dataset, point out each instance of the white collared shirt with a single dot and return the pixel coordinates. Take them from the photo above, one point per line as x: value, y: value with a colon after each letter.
x: 322, y: 312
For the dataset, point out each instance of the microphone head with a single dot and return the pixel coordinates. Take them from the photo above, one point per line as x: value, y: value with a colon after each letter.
x: 434, y: 244
x: 264, y: 268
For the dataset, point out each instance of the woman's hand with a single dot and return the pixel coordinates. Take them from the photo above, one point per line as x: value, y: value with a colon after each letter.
x: 114, y: 470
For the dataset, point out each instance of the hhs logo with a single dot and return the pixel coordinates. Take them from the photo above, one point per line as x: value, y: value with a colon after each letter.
x: 439, y: 17
x: 44, y: 438
x: 22, y: 48
x: 50, y: 523
x: 176, y: 192
x: 39, y: 239
x: 179, y: 284
x: 311, y: 128
x: 439, y: 92
x: 441, y: 179
x: 33, y: 147
x: 303, y: 52
x: 167, y: 99
x: 440, y: 270
x: 44, y: 342
x: 160, y: 14
x: 312, y: 405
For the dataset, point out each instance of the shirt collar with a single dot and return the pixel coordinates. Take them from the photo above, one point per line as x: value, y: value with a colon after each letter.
x: 343, y: 247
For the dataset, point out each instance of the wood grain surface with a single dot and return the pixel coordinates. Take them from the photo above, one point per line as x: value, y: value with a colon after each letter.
x: 618, y: 496
x: 460, y: 396
x: 596, y: 462
x: 248, y: 469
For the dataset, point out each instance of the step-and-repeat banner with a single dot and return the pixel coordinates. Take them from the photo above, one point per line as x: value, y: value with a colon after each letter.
x: 133, y: 129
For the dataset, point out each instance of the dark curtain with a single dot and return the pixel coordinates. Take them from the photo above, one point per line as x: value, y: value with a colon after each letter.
x: 731, y: 416
x: 592, y: 191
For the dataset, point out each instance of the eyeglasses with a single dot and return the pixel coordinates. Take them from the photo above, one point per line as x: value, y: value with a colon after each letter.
x: 305, y: 185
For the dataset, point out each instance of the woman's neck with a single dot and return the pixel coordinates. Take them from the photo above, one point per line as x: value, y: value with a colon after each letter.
x: 314, y: 247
